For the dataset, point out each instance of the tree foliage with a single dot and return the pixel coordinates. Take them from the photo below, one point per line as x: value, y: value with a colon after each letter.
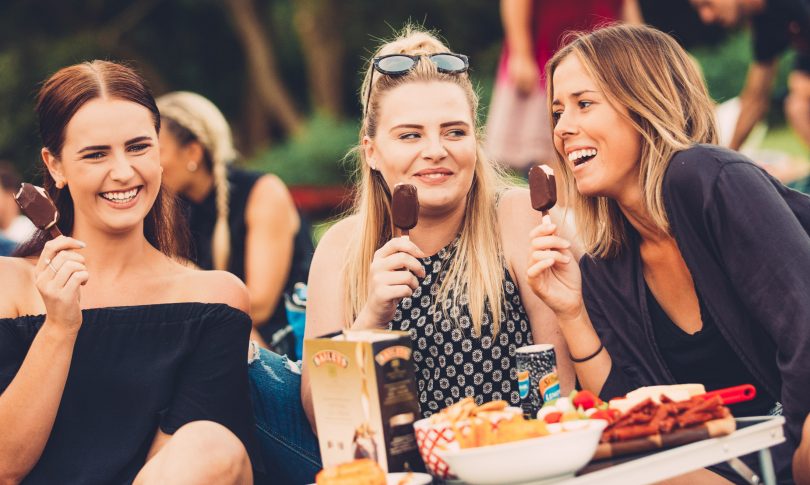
x: 268, y: 64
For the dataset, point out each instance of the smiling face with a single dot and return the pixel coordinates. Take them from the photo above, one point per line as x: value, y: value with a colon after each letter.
x: 110, y: 162
x: 597, y: 140
x: 425, y: 137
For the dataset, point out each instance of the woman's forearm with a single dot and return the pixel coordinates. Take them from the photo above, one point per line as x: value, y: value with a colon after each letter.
x: 801, y: 459
x: 29, y: 404
x: 266, y: 275
x: 583, y: 341
x: 306, y: 398
x: 516, y: 16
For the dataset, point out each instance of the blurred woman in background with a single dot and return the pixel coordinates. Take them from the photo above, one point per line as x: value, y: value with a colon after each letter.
x: 241, y: 221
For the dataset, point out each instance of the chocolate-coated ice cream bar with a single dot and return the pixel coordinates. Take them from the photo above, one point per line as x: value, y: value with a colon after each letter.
x: 404, y: 208
x: 543, y: 188
x: 37, y: 206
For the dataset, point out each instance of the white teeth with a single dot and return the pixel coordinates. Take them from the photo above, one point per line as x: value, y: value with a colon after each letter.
x: 577, y: 154
x: 121, y: 196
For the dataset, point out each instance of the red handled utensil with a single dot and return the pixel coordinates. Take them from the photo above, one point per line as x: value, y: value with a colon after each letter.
x: 733, y: 395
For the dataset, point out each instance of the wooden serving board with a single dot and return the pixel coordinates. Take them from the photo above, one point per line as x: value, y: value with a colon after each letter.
x: 709, y: 429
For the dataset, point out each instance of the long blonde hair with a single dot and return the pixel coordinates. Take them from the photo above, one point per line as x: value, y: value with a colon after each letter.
x: 191, y: 117
x: 477, y: 270
x: 646, y: 71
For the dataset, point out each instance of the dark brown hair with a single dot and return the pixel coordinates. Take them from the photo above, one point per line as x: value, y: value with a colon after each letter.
x: 9, y: 178
x: 61, y: 96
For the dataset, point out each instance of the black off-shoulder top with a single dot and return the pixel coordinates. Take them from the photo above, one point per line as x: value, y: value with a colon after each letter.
x: 135, y: 369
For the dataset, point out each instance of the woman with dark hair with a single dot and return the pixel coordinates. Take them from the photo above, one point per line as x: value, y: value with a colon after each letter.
x: 698, y: 260
x: 117, y: 363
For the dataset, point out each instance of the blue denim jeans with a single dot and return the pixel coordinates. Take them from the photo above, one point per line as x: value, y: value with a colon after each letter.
x: 289, y: 447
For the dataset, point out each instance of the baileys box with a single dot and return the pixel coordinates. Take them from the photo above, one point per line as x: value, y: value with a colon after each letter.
x: 364, y: 395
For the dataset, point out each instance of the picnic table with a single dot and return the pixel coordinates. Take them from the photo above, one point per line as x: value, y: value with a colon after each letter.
x: 755, y: 434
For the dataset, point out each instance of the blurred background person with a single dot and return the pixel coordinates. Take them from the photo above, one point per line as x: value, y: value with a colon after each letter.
x: 518, y: 134
x: 241, y: 221
x: 14, y: 226
x: 777, y: 25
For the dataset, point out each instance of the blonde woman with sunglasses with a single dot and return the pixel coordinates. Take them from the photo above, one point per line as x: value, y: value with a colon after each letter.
x: 457, y: 283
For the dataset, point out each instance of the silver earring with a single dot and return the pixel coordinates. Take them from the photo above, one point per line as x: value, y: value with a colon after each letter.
x: 192, y: 166
x: 373, y: 165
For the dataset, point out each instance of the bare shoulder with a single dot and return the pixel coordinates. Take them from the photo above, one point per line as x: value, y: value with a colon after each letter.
x: 514, y: 198
x: 517, y: 218
x: 271, y: 205
x: 269, y: 189
x: 213, y: 287
x: 515, y: 207
x: 338, y: 236
x: 19, y: 295
x: 515, y: 214
x: 17, y: 268
x: 272, y: 185
x: 330, y: 254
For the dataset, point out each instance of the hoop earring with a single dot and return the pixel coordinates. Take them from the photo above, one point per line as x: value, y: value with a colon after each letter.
x: 192, y: 166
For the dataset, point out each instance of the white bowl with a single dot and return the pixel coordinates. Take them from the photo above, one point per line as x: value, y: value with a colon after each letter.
x: 569, y: 447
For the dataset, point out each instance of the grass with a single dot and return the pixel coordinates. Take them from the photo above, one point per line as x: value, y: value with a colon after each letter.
x: 784, y: 139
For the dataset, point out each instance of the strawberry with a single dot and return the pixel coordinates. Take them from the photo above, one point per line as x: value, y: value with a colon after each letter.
x: 554, y: 417
x: 585, y: 400
x: 602, y: 415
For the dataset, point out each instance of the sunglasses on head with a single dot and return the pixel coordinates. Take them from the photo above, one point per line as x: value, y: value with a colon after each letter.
x: 399, y: 64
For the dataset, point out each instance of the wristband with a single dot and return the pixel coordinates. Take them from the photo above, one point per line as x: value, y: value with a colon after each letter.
x: 586, y: 359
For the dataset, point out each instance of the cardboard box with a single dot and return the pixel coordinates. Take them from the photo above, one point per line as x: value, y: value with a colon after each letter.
x: 364, y: 395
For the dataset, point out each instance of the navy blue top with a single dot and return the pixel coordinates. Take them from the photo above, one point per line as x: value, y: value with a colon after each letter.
x: 744, y: 238
x: 135, y: 369
x: 202, y: 218
x: 705, y: 357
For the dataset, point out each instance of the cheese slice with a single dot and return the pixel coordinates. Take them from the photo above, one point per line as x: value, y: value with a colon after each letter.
x: 676, y: 392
